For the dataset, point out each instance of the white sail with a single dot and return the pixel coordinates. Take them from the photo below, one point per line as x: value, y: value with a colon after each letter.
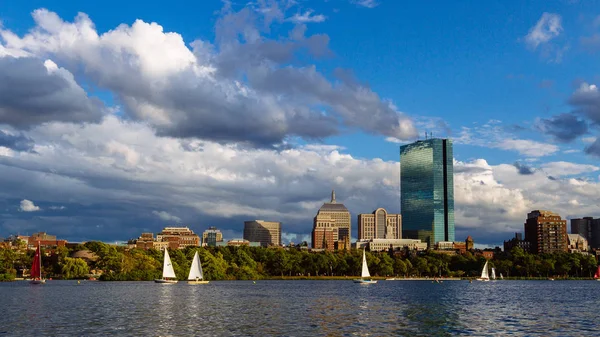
x: 167, y: 266
x: 365, y: 268
x: 493, y: 273
x: 196, y: 269
x: 484, y: 272
x: 501, y: 277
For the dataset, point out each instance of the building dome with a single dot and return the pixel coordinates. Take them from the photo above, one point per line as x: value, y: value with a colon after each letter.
x: 85, y: 255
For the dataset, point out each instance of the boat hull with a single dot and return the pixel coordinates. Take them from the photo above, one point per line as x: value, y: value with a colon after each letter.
x: 37, y: 282
x: 198, y: 282
x: 483, y: 279
x: 166, y: 281
x: 365, y: 281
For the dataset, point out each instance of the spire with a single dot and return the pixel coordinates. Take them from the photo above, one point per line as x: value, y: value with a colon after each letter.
x: 333, y: 196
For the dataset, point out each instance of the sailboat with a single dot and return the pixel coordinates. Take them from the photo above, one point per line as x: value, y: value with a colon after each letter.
x: 493, y: 274
x: 501, y: 277
x: 196, y: 276
x: 168, y: 275
x: 597, y: 275
x: 36, y: 267
x: 365, y: 275
x: 484, y: 273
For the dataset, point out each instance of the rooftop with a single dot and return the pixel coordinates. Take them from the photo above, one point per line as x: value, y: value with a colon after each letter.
x: 333, y: 206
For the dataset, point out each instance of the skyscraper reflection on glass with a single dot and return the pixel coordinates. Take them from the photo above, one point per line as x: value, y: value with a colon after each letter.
x: 427, y: 190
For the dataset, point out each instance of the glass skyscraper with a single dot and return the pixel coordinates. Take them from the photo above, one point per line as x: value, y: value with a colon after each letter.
x: 427, y: 190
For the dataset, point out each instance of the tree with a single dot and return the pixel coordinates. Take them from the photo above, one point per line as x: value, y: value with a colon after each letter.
x: 74, y: 268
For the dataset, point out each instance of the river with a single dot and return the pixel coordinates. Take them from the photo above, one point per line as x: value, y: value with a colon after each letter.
x: 300, y: 308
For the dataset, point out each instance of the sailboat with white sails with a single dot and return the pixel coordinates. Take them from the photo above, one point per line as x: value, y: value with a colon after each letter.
x: 168, y: 275
x: 493, y: 274
x: 484, y: 273
x: 365, y: 276
x: 196, y: 276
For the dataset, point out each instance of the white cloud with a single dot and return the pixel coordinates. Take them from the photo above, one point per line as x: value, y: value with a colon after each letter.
x: 166, y: 216
x: 547, y: 28
x: 28, y: 206
x: 366, y: 3
x: 527, y: 147
x: 562, y: 168
x: 307, y: 16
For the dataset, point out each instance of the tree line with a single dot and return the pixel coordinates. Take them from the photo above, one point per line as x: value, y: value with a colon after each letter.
x: 251, y: 263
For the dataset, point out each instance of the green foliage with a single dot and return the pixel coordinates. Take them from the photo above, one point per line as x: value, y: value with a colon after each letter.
x: 251, y: 263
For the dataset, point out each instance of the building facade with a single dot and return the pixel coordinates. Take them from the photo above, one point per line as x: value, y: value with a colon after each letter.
x: 178, y: 237
x: 427, y: 190
x: 589, y: 228
x: 546, y: 232
x: 211, y: 236
x: 379, y: 225
x: 333, y: 218
x: 517, y: 241
x: 268, y: 233
x: 378, y: 245
x: 577, y: 244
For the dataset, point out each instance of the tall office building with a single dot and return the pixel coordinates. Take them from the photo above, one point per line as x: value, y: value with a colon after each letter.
x: 427, y: 190
x: 379, y: 225
x: 589, y: 228
x: 332, y: 220
x: 268, y: 233
x: 546, y: 232
x: 211, y: 236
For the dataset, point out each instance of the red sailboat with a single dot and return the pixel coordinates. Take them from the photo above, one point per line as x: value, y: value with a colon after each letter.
x: 36, y: 268
x: 597, y: 275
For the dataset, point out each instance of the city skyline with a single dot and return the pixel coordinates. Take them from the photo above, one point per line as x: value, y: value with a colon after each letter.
x: 258, y: 110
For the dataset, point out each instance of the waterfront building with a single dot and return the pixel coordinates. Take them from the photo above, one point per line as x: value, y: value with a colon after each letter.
x: 427, y: 190
x: 333, y: 218
x: 378, y: 245
x: 178, y: 237
x: 145, y: 241
x: 211, y: 236
x: 517, y: 241
x: 379, y: 225
x: 577, y: 244
x: 242, y: 242
x: 45, y: 241
x: 268, y: 233
x: 589, y: 228
x: 546, y: 232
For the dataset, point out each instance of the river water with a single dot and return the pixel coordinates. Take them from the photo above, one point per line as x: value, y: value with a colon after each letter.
x: 301, y: 308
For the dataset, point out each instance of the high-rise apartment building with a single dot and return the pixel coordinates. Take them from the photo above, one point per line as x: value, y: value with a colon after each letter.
x: 211, y: 236
x: 427, y: 190
x: 268, y: 233
x: 546, y: 232
x: 589, y: 228
x: 379, y: 225
x: 336, y: 217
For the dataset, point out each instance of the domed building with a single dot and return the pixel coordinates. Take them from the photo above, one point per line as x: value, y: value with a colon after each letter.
x: 331, y: 226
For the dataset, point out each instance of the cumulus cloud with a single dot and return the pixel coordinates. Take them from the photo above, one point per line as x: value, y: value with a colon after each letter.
x: 166, y: 216
x: 586, y: 100
x: 563, y: 128
x: 33, y: 92
x: 547, y: 28
x: 28, y: 206
x: 562, y: 168
x: 239, y: 89
x: 524, y: 169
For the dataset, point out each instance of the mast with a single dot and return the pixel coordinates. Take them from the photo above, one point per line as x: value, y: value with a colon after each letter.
x: 40, y: 259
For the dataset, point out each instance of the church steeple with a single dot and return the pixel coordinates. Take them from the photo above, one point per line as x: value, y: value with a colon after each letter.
x: 333, y: 196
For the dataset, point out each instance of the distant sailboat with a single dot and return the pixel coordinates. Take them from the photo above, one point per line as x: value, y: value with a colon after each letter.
x: 168, y: 275
x: 365, y: 275
x: 493, y: 273
x: 36, y: 267
x: 196, y: 276
x: 501, y: 277
x: 597, y: 275
x: 484, y: 273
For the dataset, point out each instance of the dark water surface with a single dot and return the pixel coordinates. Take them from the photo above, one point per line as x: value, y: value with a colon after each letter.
x: 301, y: 308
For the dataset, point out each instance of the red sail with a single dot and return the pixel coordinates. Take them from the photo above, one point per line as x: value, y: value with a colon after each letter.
x: 35, y: 266
x: 597, y: 275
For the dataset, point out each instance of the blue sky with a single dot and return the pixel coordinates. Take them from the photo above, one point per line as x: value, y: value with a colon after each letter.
x: 504, y: 79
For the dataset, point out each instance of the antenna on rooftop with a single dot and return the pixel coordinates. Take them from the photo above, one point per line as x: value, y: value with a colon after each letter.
x: 425, y: 135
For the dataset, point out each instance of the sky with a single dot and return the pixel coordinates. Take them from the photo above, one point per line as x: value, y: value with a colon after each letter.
x: 118, y: 118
